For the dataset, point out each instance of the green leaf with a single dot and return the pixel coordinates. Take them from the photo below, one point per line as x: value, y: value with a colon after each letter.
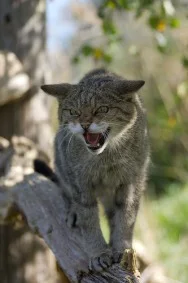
x: 185, y: 61
x: 154, y: 21
x: 109, y: 27
x: 107, y: 58
x: 111, y: 4
x: 162, y: 49
x: 174, y: 23
x: 126, y: 4
x: 87, y: 50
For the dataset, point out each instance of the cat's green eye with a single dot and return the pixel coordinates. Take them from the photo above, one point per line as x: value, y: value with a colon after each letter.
x: 74, y: 112
x: 102, y: 109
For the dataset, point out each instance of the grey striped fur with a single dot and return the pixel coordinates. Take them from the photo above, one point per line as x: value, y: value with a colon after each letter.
x: 116, y: 174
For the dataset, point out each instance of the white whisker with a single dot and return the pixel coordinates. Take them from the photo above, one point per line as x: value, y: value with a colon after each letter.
x: 62, y: 140
x: 68, y: 146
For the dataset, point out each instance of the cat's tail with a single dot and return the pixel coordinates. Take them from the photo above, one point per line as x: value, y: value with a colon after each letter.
x: 42, y: 168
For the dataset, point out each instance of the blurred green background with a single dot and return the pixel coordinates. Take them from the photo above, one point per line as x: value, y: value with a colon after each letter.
x: 147, y: 40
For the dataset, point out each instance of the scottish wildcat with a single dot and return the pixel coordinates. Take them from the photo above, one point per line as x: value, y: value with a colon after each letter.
x: 101, y: 153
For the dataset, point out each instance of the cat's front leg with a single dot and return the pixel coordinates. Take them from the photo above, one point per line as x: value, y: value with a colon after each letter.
x: 86, y: 218
x: 122, y: 220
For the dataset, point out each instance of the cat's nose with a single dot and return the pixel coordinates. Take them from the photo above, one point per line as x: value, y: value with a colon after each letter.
x: 85, y: 127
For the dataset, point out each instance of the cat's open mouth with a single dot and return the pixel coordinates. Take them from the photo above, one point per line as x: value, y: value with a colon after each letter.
x: 95, y: 141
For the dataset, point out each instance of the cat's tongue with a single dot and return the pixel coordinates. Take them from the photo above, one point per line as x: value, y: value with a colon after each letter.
x: 92, y: 138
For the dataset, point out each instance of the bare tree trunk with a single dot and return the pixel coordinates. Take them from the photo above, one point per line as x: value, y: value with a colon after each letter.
x: 22, y: 31
x: 23, y: 257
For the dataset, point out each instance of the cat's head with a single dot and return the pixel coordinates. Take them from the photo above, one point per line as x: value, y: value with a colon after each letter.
x: 98, y: 109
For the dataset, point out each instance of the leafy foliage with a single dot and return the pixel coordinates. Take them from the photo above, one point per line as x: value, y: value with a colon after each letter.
x: 97, y: 54
x: 159, y: 15
x: 171, y: 213
x: 162, y: 226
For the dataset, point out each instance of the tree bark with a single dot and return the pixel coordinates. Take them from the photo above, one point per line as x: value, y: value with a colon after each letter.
x: 22, y: 31
x: 42, y: 205
x: 23, y: 257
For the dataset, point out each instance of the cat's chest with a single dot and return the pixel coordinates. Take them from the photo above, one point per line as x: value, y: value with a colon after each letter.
x: 106, y: 177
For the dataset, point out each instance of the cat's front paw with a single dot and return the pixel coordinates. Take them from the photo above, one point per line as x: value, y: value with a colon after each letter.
x: 100, y: 262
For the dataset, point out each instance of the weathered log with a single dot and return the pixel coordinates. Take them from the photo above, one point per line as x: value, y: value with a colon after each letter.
x: 16, y: 161
x: 41, y: 203
x: 25, y: 256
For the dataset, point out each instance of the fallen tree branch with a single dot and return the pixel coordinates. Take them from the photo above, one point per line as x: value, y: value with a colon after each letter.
x: 16, y: 161
x: 41, y: 203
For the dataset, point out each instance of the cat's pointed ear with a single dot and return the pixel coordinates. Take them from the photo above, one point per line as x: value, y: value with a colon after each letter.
x: 126, y: 86
x: 129, y: 86
x: 57, y: 90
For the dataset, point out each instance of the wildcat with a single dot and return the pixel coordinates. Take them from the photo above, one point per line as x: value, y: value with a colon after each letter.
x: 101, y: 153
